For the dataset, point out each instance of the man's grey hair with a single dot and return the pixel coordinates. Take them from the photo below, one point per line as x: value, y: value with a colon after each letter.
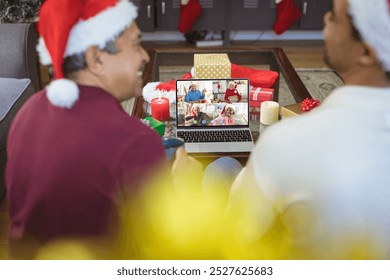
x: 77, y: 62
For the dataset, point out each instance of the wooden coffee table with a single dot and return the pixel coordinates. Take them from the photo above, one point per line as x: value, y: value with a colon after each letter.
x: 269, y: 58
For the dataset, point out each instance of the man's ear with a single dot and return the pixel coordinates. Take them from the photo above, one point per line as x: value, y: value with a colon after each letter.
x: 368, y: 57
x: 93, y: 60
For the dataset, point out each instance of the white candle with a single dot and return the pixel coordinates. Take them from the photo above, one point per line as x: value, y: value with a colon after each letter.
x: 269, y: 112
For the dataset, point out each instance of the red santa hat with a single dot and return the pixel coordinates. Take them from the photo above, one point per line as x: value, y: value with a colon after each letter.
x: 372, y: 20
x: 228, y: 106
x: 69, y: 27
x: 195, y: 106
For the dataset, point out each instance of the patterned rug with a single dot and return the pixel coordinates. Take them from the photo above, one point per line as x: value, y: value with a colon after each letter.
x: 319, y: 81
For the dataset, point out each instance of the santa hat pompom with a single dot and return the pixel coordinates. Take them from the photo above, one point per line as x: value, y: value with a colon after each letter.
x: 63, y: 93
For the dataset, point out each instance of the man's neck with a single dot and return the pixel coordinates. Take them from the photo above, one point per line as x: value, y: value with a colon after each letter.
x: 366, y: 77
x: 87, y: 79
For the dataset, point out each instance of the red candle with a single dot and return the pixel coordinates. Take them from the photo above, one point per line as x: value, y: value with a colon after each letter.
x: 160, y: 108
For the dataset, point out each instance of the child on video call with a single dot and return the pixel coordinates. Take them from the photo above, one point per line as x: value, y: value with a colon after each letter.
x: 226, y: 117
x: 232, y: 94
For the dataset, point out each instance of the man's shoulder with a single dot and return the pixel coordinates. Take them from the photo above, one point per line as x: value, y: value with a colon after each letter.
x: 32, y: 106
x: 36, y: 99
x: 299, y: 129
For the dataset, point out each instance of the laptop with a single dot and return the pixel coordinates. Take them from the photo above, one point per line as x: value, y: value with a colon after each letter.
x: 212, y: 115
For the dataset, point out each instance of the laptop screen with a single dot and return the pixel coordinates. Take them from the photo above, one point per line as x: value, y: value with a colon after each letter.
x: 212, y: 102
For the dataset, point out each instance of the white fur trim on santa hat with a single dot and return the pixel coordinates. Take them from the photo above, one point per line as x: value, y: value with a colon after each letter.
x: 101, y: 28
x: 95, y: 31
x: 44, y: 56
x: 63, y: 93
x: 230, y: 106
x: 149, y: 92
x: 372, y: 20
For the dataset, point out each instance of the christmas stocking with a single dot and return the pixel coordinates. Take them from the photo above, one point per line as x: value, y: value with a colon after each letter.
x: 257, y: 78
x: 287, y: 14
x: 190, y: 11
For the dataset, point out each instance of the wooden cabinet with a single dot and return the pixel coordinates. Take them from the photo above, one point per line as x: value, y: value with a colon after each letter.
x: 156, y: 15
x: 164, y: 15
x: 313, y: 12
x: 145, y: 19
x: 252, y: 14
x: 261, y: 14
x: 168, y: 14
x: 214, y: 16
x: 226, y: 15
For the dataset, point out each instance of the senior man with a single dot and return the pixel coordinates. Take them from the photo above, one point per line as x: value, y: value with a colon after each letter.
x: 72, y: 150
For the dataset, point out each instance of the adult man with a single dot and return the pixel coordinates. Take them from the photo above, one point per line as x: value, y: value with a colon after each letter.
x: 196, y: 117
x: 72, y: 149
x: 194, y: 95
x: 333, y: 163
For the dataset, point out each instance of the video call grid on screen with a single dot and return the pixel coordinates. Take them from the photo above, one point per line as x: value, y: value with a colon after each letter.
x: 211, y: 96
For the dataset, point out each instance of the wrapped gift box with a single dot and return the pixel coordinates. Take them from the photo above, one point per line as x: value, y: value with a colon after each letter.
x: 258, y: 95
x: 212, y: 66
x: 291, y: 111
x: 158, y: 126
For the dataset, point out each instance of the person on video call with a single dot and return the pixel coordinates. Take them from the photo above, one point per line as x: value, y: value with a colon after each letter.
x: 194, y: 116
x: 194, y: 95
x: 71, y: 148
x: 226, y: 116
x: 337, y: 157
x: 232, y: 94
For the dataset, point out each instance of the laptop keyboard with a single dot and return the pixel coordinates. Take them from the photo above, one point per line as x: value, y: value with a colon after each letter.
x: 215, y: 136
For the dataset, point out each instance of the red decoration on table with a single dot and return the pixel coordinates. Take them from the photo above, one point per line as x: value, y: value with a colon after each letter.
x: 309, y: 103
x: 257, y: 77
x: 171, y: 85
x: 160, y: 108
x: 258, y: 95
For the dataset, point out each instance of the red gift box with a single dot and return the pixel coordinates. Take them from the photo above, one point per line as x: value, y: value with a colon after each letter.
x: 258, y: 95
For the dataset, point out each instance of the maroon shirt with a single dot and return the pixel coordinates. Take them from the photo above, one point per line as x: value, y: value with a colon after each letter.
x: 65, y: 167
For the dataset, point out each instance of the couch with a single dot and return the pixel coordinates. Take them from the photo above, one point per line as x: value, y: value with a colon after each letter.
x: 19, y: 78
